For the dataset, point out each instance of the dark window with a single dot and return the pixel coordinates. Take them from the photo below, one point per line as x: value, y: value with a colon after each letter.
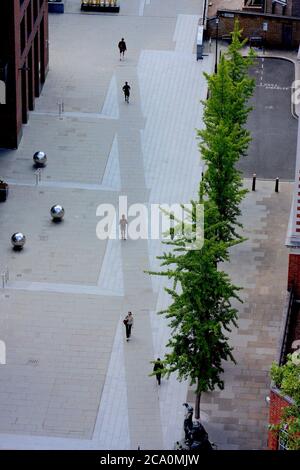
x: 35, y: 9
x: 29, y: 20
x: 296, y: 8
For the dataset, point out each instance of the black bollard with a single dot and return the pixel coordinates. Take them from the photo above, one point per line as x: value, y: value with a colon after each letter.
x: 253, y: 181
x: 277, y: 185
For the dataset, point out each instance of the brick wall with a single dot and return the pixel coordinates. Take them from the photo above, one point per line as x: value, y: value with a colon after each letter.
x: 24, y: 52
x: 252, y: 25
x: 277, y: 405
x: 296, y: 8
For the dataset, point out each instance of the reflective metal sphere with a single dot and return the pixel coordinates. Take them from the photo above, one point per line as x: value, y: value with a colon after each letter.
x: 57, y: 212
x: 40, y: 158
x: 18, y: 240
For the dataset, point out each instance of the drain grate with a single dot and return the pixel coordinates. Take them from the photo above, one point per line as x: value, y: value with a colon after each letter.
x: 33, y: 362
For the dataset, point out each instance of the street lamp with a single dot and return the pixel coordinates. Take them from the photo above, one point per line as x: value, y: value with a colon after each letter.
x: 217, y: 37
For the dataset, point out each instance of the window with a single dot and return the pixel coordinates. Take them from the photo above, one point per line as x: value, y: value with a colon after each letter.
x: 35, y: 9
x: 253, y: 3
x: 281, y: 2
x: 29, y: 20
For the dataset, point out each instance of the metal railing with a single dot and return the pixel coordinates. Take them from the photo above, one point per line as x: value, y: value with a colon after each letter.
x: 286, y: 326
x: 283, y: 440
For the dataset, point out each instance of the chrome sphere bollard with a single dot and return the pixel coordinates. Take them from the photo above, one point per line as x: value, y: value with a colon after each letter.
x: 18, y: 240
x: 40, y: 159
x: 57, y: 213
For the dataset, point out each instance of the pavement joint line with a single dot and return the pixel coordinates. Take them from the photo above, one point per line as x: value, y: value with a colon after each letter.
x: 72, y: 114
x: 61, y: 288
x: 63, y: 185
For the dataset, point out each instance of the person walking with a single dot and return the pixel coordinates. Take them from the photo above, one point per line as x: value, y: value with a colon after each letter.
x: 123, y: 222
x: 126, y: 90
x: 128, y: 322
x: 122, y: 48
x: 158, y: 366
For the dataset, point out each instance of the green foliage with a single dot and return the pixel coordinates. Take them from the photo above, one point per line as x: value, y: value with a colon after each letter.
x: 238, y: 64
x: 202, y: 311
x: 224, y: 140
x: 199, y: 317
x: 287, y: 379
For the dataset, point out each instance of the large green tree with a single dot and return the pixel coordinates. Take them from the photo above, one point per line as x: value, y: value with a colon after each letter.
x: 202, y: 311
x: 224, y: 140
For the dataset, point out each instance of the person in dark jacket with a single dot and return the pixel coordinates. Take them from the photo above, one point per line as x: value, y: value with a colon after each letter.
x: 122, y: 48
x: 158, y: 366
x: 126, y: 90
x: 128, y: 322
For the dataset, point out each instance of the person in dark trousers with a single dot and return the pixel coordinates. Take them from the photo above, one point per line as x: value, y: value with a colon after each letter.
x: 188, y: 420
x: 122, y: 48
x: 126, y: 90
x: 158, y: 366
x: 123, y: 222
x: 128, y: 322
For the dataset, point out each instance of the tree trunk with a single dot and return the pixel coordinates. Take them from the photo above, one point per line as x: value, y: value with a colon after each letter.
x: 197, y: 405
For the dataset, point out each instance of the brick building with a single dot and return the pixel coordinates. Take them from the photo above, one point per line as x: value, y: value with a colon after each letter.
x: 23, y: 63
x: 275, y: 23
x: 277, y: 404
x: 290, y: 332
x: 276, y: 7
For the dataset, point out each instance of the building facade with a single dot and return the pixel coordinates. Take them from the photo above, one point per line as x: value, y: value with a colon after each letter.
x: 24, y: 61
x: 272, y: 23
x: 283, y: 7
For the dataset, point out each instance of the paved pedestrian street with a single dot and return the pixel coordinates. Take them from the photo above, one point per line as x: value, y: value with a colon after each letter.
x: 71, y: 380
